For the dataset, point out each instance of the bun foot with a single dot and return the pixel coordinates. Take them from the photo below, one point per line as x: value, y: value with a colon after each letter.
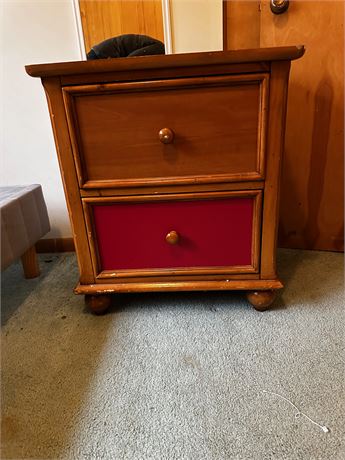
x: 98, y: 304
x: 261, y: 300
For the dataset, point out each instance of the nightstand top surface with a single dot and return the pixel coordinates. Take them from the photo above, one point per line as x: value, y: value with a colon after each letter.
x: 287, y: 53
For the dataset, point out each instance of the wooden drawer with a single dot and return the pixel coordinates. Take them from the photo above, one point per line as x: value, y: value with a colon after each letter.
x: 215, y: 233
x: 218, y: 127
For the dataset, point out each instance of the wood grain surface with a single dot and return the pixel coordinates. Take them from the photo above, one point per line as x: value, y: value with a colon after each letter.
x: 218, y: 128
x: 105, y: 19
x: 30, y: 263
x: 251, y: 120
x: 274, y: 151
x: 69, y: 178
x: 312, y: 197
x: 312, y: 204
x: 205, y: 285
x: 168, y: 65
x: 241, y: 22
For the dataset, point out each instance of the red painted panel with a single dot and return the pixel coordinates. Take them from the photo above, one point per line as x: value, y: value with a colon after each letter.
x: 212, y: 233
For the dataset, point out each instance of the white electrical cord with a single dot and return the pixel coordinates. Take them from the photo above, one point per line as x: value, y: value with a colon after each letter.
x: 298, y: 413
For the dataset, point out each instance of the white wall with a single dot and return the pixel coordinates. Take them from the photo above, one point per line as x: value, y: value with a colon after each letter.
x: 34, y: 31
x: 197, y: 25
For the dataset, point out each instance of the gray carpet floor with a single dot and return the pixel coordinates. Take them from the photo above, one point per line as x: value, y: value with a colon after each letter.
x: 174, y: 375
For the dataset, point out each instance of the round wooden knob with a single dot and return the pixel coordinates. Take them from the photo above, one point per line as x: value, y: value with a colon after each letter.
x: 166, y: 135
x: 172, y: 237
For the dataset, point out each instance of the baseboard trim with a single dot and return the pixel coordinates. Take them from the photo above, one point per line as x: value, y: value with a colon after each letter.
x: 55, y: 245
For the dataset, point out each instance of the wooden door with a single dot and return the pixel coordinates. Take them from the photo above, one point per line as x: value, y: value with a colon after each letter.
x: 102, y: 19
x: 312, y: 196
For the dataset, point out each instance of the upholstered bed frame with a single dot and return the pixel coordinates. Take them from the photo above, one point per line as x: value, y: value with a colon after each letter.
x: 24, y: 220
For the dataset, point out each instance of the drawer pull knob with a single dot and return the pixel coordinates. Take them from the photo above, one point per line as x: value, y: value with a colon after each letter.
x: 166, y: 135
x: 172, y: 237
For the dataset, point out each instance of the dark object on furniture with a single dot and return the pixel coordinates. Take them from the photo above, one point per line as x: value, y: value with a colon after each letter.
x: 128, y: 45
x: 24, y: 220
x: 171, y: 169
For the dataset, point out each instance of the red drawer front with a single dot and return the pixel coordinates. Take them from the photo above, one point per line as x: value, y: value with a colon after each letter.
x: 212, y: 233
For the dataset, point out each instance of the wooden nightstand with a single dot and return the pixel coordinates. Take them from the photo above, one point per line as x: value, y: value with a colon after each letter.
x: 171, y: 169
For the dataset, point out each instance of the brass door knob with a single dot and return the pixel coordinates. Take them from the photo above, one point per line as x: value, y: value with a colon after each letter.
x: 172, y: 237
x: 279, y: 6
x: 166, y: 135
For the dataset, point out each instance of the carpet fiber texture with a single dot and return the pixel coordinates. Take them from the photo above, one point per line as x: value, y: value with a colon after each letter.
x: 174, y: 375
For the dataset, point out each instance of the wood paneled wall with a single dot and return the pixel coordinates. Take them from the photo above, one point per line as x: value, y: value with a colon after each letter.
x: 241, y: 24
x: 312, y: 195
x: 102, y: 19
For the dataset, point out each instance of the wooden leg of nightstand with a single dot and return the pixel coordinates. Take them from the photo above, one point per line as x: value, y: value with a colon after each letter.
x: 261, y: 300
x: 98, y: 304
